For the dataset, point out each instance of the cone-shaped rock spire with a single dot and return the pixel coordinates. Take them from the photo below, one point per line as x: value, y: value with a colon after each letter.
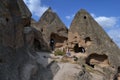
x: 87, y: 29
x: 52, y: 27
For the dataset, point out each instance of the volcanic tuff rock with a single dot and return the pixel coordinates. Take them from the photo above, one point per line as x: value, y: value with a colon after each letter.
x: 99, y: 42
x: 39, y: 43
x: 11, y: 30
x: 18, y: 61
x: 52, y: 27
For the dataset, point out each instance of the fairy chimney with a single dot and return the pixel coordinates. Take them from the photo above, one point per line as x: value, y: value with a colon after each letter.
x: 51, y: 26
x: 90, y: 35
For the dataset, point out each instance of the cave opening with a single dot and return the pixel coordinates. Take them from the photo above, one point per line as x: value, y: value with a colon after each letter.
x: 79, y: 49
x: 58, y: 40
x: 42, y: 30
x: 85, y: 17
x: 37, y: 45
x: 1, y: 61
x: 97, y: 59
x: 87, y: 39
x: 7, y: 19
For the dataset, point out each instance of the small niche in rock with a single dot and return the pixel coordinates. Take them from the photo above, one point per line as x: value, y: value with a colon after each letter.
x: 42, y: 30
x: 96, y: 59
x: 87, y: 39
x: 75, y: 37
x: 37, y: 45
x: 118, y: 70
x: 79, y: 49
x: 117, y: 75
x: 76, y: 48
x: 7, y: 19
x: 1, y: 61
x: 111, y: 41
x: 82, y: 49
x: 85, y: 17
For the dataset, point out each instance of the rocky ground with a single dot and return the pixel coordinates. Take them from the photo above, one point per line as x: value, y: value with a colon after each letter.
x: 76, y: 70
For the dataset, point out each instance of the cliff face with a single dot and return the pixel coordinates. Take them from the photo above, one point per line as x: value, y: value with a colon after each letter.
x: 18, y: 60
x: 90, y: 35
x: 12, y: 23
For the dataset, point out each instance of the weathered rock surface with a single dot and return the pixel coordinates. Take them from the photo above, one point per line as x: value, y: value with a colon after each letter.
x: 38, y: 41
x: 91, y: 36
x: 67, y: 71
x: 19, y: 41
x: 51, y: 26
x: 18, y: 61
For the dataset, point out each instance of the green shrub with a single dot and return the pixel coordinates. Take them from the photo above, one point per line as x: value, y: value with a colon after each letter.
x: 59, y: 52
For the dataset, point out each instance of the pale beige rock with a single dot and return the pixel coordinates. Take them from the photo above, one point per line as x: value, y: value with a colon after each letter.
x: 51, y: 26
x: 67, y: 71
x: 84, y: 26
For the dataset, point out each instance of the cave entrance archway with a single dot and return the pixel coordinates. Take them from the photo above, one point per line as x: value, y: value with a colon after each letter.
x: 96, y: 59
x: 79, y: 49
x: 37, y: 45
x: 58, y: 40
x: 76, y: 48
x: 87, y: 39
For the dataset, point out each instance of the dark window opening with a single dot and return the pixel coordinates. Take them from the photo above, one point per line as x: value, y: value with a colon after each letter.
x: 42, y: 30
x: 117, y: 75
x: 76, y: 48
x: 7, y: 19
x: 111, y: 41
x: 37, y: 45
x: 79, y: 49
x: 87, y: 39
x: 82, y: 49
x: 75, y: 36
x: 1, y: 61
x: 118, y: 69
x: 85, y: 17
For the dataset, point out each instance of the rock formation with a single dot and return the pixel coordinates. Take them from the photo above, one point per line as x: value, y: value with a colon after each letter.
x: 93, y: 38
x: 98, y: 56
x: 39, y: 44
x: 51, y: 26
x: 87, y: 36
x: 18, y: 61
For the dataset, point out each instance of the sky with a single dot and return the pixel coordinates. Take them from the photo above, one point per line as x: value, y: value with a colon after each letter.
x: 105, y: 12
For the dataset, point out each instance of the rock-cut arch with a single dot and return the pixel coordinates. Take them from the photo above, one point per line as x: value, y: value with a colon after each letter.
x: 97, y: 59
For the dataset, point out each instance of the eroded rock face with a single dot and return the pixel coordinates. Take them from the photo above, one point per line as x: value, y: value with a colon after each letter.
x: 51, y: 26
x: 39, y: 42
x: 18, y: 61
x: 96, y: 59
x: 91, y: 36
